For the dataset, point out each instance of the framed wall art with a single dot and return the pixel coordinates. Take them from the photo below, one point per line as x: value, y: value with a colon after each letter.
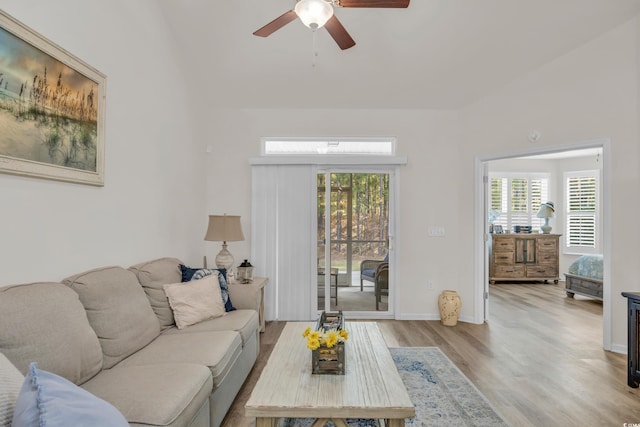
x: 52, y: 109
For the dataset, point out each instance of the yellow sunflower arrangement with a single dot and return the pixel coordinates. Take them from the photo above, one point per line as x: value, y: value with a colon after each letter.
x: 327, y: 338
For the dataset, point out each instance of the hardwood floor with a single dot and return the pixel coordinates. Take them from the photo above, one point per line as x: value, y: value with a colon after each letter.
x: 539, y: 360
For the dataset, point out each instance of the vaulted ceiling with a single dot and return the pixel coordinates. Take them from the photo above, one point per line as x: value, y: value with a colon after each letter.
x: 435, y: 54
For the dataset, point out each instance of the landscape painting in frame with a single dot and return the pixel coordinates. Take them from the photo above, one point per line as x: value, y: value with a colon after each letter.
x: 51, y: 109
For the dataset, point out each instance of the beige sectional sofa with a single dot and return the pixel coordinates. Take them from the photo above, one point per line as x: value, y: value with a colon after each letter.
x: 111, y: 331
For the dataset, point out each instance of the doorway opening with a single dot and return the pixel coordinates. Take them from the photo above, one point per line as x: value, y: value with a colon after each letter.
x: 582, y: 156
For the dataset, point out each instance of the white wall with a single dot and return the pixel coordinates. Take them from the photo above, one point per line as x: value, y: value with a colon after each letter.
x: 151, y: 204
x: 428, y: 194
x: 588, y: 94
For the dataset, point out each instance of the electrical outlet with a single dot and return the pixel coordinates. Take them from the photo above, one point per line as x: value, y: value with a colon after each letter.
x: 430, y: 285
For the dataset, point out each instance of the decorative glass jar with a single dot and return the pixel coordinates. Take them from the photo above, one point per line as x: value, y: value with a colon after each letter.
x: 245, y: 272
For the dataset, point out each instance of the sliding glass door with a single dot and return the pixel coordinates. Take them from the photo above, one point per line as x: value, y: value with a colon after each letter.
x: 353, y: 229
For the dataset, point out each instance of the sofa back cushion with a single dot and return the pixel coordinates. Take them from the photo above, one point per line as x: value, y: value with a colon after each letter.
x: 153, y: 275
x: 46, y: 323
x: 117, y: 309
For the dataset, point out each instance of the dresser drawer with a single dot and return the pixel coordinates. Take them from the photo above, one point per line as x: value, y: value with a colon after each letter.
x: 509, y: 271
x: 542, y: 271
x: 547, y: 244
x: 503, y: 244
x: 547, y: 257
x: 503, y: 257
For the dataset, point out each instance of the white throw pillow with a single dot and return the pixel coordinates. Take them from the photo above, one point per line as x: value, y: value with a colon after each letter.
x: 195, y: 301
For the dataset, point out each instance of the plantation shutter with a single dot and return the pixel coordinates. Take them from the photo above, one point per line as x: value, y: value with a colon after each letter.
x: 499, y: 210
x: 519, y: 199
x: 582, y: 210
x: 516, y: 199
x: 539, y: 195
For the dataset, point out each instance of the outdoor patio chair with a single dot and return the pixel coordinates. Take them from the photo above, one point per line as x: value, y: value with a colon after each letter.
x: 368, y: 269
x: 381, y: 283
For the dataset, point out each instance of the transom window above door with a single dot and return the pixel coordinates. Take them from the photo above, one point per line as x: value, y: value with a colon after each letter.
x: 328, y: 146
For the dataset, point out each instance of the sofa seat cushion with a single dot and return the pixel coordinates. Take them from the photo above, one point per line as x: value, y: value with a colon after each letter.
x: 218, y: 350
x: 159, y: 394
x: 47, y: 324
x: 118, y: 311
x: 245, y: 322
x: 47, y: 399
x: 152, y: 275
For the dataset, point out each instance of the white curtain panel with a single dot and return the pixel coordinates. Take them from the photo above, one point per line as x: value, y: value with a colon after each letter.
x: 283, y: 238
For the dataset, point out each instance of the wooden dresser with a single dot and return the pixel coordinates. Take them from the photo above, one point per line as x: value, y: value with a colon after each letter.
x: 521, y: 256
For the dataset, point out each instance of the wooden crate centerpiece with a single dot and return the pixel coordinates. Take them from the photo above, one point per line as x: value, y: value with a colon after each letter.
x: 328, y: 357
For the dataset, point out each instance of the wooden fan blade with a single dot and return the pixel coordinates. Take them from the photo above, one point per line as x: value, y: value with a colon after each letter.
x: 276, y: 24
x: 339, y: 33
x: 373, y: 3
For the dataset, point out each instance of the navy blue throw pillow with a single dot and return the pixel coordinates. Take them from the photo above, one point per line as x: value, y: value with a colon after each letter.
x: 188, y: 272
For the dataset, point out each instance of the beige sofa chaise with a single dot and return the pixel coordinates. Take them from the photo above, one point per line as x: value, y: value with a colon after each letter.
x: 112, y: 332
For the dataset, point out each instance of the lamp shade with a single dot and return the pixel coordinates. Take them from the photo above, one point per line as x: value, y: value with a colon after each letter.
x: 224, y: 228
x: 314, y: 13
x: 547, y: 210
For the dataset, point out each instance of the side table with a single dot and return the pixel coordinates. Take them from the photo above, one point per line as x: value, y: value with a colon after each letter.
x: 258, y: 283
x: 334, y: 275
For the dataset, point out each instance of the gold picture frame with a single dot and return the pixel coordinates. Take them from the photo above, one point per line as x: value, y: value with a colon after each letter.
x: 52, y: 109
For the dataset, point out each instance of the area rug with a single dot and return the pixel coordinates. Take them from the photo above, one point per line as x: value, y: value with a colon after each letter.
x: 442, y: 394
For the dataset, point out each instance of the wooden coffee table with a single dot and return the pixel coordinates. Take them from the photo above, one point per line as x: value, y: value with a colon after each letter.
x: 370, y: 388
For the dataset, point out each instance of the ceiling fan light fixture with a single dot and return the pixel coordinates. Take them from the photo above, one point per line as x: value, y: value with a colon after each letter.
x: 314, y: 13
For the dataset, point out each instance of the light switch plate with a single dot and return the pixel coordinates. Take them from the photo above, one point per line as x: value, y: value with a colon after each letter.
x: 436, y: 231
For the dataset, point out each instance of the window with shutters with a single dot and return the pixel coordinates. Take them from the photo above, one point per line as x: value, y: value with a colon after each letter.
x: 516, y: 198
x: 581, y: 196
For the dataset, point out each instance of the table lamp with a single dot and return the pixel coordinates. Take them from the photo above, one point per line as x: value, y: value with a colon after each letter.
x: 224, y: 228
x: 546, y: 211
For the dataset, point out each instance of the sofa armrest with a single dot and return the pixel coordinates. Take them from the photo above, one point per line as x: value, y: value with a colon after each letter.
x: 245, y: 296
x: 250, y: 295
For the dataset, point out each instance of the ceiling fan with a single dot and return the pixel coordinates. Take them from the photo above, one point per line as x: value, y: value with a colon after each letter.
x: 319, y: 13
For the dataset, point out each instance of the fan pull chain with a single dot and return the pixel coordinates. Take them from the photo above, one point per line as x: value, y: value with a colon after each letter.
x: 315, y: 48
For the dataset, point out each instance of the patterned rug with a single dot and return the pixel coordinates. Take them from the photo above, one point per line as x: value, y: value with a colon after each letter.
x: 442, y: 395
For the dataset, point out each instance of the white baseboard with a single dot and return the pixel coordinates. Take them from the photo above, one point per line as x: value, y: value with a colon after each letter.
x: 429, y: 316
x: 469, y: 319
x: 417, y: 316
x: 619, y: 348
